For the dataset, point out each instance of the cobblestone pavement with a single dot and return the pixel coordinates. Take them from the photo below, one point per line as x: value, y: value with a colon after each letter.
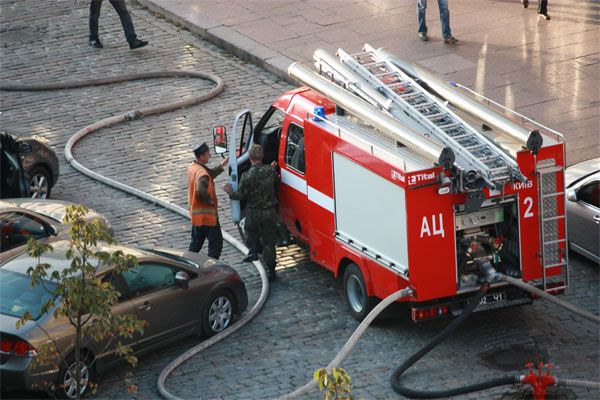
x: 304, y: 322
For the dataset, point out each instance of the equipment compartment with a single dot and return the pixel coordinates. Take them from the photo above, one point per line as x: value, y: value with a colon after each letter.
x: 488, y: 235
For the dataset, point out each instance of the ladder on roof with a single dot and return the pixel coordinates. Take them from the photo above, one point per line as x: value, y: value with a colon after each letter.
x: 400, y: 95
x: 553, y: 248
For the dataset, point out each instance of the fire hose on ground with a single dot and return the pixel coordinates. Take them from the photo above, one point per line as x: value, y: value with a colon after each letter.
x: 407, y: 292
x: 137, y: 114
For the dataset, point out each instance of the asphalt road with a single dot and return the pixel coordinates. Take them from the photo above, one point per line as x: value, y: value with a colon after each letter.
x: 304, y: 322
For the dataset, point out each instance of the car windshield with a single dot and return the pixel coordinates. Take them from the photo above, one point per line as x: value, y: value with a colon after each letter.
x: 16, y: 297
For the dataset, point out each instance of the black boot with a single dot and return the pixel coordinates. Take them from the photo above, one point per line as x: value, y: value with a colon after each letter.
x: 96, y: 43
x: 137, y: 43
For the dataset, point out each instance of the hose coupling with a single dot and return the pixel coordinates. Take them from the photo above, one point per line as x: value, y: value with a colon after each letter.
x: 489, y: 272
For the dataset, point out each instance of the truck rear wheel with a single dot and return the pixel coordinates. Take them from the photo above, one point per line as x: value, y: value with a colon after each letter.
x: 359, y: 302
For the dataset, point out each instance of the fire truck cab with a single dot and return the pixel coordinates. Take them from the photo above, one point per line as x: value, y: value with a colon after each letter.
x: 384, y: 203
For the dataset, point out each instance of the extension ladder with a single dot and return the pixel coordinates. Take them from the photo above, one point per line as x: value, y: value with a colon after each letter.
x: 381, y: 83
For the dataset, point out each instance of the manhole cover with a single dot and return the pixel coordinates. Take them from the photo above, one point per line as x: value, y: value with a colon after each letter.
x: 513, y: 358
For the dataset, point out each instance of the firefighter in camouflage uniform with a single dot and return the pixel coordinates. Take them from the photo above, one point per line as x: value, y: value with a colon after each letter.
x: 258, y: 187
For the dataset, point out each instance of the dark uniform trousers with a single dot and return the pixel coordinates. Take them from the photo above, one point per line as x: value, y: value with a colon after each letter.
x: 261, y: 228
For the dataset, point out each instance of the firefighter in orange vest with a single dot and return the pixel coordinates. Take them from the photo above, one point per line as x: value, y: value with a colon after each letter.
x: 202, y: 200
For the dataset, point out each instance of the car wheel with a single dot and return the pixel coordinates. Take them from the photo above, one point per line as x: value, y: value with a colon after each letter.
x: 218, y: 313
x: 39, y: 183
x: 66, y: 385
x: 359, y: 302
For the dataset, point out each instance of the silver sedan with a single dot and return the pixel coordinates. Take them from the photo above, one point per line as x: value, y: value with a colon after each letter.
x: 583, y: 208
x: 21, y: 219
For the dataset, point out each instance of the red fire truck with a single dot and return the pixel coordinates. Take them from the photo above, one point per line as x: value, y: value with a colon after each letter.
x: 392, y: 177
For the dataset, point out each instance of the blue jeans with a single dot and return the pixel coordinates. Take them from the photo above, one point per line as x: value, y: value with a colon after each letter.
x: 214, y: 236
x: 444, y: 17
x: 121, y: 9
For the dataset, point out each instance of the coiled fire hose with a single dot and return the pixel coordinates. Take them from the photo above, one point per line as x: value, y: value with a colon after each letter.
x: 349, y: 345
x: 137, y: 114
x: 491, y: 274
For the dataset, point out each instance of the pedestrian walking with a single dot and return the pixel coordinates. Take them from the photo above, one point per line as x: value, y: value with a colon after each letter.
x: 121, y: 9
x: 542, y: 8
x: 444, y: 19
x: 202, y: 200
x: 258, y: 187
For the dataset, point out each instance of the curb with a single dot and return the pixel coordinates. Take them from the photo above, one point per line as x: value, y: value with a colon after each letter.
x: 226, y: 38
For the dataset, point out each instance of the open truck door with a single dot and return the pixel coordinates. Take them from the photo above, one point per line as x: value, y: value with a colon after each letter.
x: 238, y: 154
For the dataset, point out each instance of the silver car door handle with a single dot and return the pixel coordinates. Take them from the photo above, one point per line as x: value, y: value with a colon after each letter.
x: 597, y: 218
x: 146, y: 306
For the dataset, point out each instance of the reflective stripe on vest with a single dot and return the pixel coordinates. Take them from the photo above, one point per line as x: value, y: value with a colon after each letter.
x: 202, y: 214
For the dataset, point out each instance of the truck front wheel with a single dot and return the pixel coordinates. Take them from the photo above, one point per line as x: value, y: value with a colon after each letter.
x: 359, y: 302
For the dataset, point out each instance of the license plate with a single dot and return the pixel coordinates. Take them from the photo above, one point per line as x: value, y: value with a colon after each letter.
x: 493, y: 298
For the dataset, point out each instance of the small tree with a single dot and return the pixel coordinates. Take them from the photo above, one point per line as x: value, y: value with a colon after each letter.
x: 83, y: 297
x: 334, y: 385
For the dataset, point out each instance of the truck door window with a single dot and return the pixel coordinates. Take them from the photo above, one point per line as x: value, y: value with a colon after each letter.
x: 268, y: 132
x: 294, y: 148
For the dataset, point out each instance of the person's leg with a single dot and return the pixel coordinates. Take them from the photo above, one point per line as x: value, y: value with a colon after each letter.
x: 198, y: 237
x: 421, y: 9
x: 95, y: 6
x: 268, y: 234
x: 543, y: 7
x: 252, y: 231
x: 121, y: 9
x: 445, y: 18
x: 215, y: 241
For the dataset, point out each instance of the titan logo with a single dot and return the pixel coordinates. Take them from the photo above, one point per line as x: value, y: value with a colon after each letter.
x: 420, y: 178
x: 397, y: 176
x: 523, y: 185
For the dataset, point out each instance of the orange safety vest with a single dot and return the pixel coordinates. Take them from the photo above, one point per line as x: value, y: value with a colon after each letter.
x: 202, y: 214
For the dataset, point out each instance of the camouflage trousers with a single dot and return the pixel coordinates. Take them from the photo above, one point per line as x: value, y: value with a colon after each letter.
x: 260, y: 229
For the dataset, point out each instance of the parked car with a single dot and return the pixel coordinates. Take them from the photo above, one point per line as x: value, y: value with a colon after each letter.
x: 29, y: 166
x: 583, y: 208
x: 177, y: 293
x: 21, y: 219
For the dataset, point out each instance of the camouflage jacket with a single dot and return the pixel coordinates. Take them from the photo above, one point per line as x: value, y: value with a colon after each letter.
x: 258, y: 187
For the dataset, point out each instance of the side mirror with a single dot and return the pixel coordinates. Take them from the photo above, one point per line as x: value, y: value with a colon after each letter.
x: 220, y: 139
x: 182, y: 278
x: 52, y: 230
x: 571, y: 195
x: 24, y: 148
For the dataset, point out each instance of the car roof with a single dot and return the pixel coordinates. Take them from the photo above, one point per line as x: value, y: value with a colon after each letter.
x: 54, y: 209
x: 58, y: 261
x: 580, y: 171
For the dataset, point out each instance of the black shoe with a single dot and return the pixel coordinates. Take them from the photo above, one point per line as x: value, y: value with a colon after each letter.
x: 137, y: 43
x: 95, y: 43
x: 250, y: 257
x: 423, y: 36
x: 525, y: 3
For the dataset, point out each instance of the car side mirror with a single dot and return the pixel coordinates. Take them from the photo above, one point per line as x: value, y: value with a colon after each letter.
x: 220, y: 139
x: 571, y: 195
x: 24, y: 148
x: 182, y: 278
x: 52, y: 230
